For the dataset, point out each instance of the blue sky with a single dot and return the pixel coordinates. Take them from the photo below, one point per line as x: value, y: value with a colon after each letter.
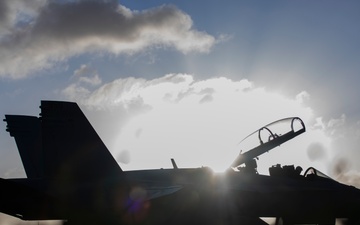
x: 161, y: 79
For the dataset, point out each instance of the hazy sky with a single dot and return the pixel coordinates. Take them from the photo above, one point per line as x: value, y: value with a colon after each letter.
x: 162, y: 79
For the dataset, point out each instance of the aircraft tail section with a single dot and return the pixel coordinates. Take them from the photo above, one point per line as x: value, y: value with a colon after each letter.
x: 72, y: 148
x: 27, y: 133
x: 61, y: 145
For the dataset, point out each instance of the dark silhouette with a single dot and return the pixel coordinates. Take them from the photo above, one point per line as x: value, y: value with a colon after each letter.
x: 71, y: 176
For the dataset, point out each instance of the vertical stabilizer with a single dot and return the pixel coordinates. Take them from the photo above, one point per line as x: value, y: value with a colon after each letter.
x: 27, y: 133
x: 72, y: 148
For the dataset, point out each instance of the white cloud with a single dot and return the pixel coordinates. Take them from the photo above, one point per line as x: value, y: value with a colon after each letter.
x: 199, y: 122
x: 337, y: 122
x: 303, y: 96
x: 75, y: 92
x: 319, y: 124
x: 58, y: 31
x: 85, y: 79
x: 344, y: 141
x: 84, y: 69
x: 93, y: 81
x: 87, y: 75
x: 336, y: 128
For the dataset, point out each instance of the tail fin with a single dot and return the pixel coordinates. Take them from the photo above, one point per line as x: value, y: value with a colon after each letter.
x: 61, y: 145
x: 72, y: 148
x: 27, y: 133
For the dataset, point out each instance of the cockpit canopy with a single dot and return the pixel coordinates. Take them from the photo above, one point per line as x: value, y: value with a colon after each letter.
x: 311, y: 171
x: 267, y: 138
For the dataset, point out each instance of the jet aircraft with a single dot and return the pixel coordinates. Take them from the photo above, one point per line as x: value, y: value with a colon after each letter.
x: 71, y: 176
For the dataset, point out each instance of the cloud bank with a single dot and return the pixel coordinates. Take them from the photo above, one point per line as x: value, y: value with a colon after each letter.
x: 197, y: 122
x: 145, y: 122
x: 34, y: 36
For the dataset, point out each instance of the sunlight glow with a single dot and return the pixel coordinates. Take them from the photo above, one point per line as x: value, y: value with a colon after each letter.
x: 199, y: 123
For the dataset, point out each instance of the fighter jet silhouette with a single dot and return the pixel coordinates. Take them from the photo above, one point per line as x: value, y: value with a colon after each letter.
x: 71, y: 176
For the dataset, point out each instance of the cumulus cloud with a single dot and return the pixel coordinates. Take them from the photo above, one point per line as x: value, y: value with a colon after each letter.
x: 303, y: 96
x: 335, y: 127
x: 55, y: 31
x: 199, y: 122
x: 74, y: 91
x: 337, y: 122
x: 342, y: 159
x: 87, y: 75
x: 85, y: 78
x: 178, y: 115
x: 129, y: 91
